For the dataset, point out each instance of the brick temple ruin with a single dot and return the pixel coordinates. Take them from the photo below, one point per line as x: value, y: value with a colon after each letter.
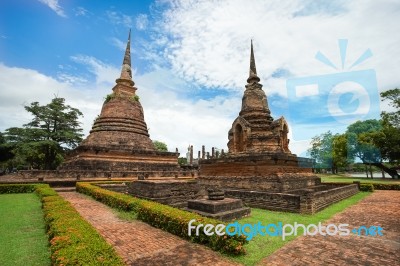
x: 259, y: 170
x: 119, y: 140
x: 119, y: 143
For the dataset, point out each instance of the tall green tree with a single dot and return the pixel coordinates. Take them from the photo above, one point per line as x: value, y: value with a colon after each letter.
x: 5, y: 149
x: 389, y: 139
x: 53, y: 130
x: 367, y: 141
x: 160, y: 146
x: 360, y: 137
x: 329, y: 151
x: 392, y: 118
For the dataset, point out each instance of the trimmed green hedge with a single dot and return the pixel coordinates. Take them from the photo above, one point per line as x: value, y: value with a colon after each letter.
x: 73, y: 241
x: 17, y: 188
x: 167, y: 218
x: 366, y: 187
x: 378, y: 186
x: 386, y: 186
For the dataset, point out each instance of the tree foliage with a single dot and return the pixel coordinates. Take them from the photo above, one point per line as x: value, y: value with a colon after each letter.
x: 329, y: 151
x: 373, y: 142
x: 360, y: 140
x: 392, y: 118
x: 389, y: 139
x: 160, y: 146
x: 43, y: 142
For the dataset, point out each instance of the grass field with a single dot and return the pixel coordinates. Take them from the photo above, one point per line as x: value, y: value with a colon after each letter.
x: 263, y: 246
x: 23, y: 240
x: 346, y: 179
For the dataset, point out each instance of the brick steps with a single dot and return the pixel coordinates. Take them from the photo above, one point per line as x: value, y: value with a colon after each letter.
x: 64, y: 189
x: 225, y: 216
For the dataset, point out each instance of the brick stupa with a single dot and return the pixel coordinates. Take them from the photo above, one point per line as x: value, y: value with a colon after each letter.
x: 260, y: 169
x: 254, y: 130
x: 259, y: 156
x: 119, y: 139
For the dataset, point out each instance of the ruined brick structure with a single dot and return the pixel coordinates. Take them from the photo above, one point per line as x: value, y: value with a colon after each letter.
x: 259, y: 168
x: 119, y: 139
x: 254, y: 130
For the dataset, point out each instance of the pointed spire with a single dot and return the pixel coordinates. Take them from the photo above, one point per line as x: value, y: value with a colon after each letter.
x: 126, y: 71
x: 253, y: 71
x: 127, y: 56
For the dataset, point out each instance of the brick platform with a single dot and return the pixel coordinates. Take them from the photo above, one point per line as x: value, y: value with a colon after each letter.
x: 138, y: 243
x: 380, y: 208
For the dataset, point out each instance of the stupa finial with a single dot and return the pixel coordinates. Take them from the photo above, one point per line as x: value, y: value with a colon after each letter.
x: 253, y: 71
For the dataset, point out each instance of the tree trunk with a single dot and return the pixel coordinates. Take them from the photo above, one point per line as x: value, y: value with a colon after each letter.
x: 370, y: 171
x: 391, y: 171
x: 366, y: 170
x: 383, y: 173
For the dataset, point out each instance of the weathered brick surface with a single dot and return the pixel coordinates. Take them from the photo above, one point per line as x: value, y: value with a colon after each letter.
x: 119, y: 139
x: 256, y: 164
x: 254, y: 130
x: 138, y: 243
x: 381, y: 208
x: 171, y: 192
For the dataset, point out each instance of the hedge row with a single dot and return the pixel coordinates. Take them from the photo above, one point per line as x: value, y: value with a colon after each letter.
x: 386, y: 186
x: 378, y: 186
x: 366, y: 187
x: 73, y: 241
x: 17, y: 188
x: 167, y: 218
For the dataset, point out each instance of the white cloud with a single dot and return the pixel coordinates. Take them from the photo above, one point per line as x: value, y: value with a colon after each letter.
x: 142, y: 21
x: 209, y: 40
x: 104, y: 73
x: 53, y: 4
x: 180, y: 121
x: 118, y: 43
x: 81, y: 11
x: 19, y: 87
x: 119, y: 18
x: 71, y: 79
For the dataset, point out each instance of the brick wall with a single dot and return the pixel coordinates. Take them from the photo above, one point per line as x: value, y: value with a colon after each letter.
x: 313, y: 202
x: 271, y: 183
x: 301, y: 201
x: 171, y: 192
x: 265, y: 200
x: 265, y: 164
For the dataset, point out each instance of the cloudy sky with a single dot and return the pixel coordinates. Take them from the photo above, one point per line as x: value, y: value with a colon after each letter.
x: 322, y: 63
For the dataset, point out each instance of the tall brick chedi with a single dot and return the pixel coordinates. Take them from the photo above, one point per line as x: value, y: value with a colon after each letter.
x: 254, y: 130
x: 259, y: 154
x: 119, y: 139
x: 259, y: 167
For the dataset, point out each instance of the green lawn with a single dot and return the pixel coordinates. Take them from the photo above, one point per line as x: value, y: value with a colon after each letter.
x: 263, y: 246
x: 23, y: 239
x: 346, y: 179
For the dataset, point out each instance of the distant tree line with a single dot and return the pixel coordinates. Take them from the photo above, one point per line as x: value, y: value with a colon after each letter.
x: 373, y: 142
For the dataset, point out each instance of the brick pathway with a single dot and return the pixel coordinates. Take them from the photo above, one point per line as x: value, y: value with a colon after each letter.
x: 381, y: 208
x: 138, y: 243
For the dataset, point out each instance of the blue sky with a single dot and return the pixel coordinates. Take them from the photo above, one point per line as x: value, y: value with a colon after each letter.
x: 191, y: 58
